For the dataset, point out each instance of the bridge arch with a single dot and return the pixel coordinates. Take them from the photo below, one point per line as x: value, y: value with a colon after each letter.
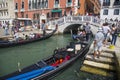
x: 73, y: 27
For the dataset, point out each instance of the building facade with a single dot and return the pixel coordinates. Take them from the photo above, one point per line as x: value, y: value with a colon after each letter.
x: 110, y: 9
x: 7, y: 11
x: 39, y: 10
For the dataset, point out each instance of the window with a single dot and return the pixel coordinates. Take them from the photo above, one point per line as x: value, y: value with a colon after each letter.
x: 105, y: 12
x: 37, y: 15
x: 48, y: 15
x: 35, y: 4
x: 32, y: 4
x: 22, y: 5
x: 7, y: 13
x: 16, y: 15
x: 29, y: 4
x: 6, y: 4
x: 34, y: 16
x: 46, y: 4
x: 16, y: 6
x: 42, y: 4
x: 4, y: 13
x: 39, y: 4
x: 116, y: 12
x: 56, y: 1
x: 26, y: 15
x: 69, y: 1
x: 22, y: 15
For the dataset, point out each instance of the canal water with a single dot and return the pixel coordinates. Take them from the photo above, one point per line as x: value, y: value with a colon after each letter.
x: 29, y: 53
x: 33, y: 52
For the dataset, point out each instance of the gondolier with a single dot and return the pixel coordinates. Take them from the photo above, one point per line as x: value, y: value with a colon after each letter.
x: 43, y: 27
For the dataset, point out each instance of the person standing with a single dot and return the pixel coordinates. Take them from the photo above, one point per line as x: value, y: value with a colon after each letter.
x: 98, y: 42
x: 43, y: 27
x: 114, y: 34
x: 0, y: 24
x: 88, y: 31
x: 106, y: 32
x: 6, y: 27
x: 12, y: 29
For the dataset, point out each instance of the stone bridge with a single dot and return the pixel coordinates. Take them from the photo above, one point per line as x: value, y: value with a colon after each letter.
x: 65, y: 24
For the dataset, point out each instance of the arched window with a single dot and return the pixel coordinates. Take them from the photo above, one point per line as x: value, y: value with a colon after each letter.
x: 16, y: 6
x: 6, y: 4
x: 35, y: 4
x: 42, y: 3
x: 7, y: 14
x: 39, y: 4
x: 46, y: 4
x: 22, y: 5
x: 4, y: 13
x: 32, y: 4
x: 29, y: 4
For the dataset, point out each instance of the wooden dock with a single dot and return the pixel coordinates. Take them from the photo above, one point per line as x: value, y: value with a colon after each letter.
x: 105, y: 65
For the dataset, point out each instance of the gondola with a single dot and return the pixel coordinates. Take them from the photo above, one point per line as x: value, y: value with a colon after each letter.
x: 48, y: 67
x: 4, y: 44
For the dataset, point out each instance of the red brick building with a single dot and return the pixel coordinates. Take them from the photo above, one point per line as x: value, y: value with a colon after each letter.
x: 39, y: 10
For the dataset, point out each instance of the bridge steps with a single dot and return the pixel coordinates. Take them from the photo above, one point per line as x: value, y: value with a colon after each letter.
x: 104, y: 66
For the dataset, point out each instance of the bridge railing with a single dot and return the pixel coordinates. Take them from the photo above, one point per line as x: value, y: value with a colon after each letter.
x: 74, y: 19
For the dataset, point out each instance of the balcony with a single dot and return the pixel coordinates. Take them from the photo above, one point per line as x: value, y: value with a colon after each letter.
x: 68, y: 4
x: 116, y: 3
x: 16, y: 10
x: 22, y: 10
x: 5, y: 8
x: 106, y: 3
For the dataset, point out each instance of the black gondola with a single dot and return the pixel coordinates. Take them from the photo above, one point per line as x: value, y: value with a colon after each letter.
x: 4, y: 44
x: 48, y: 67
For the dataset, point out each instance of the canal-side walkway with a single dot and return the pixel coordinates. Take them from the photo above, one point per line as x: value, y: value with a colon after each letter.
x: 107, y: 64
x: 27, y: 32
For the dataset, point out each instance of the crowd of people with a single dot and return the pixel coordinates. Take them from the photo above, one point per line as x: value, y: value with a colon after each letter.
x: 106, y: 33
x: 14, y: 29
x: 106, y: 36
x: 84, y: 33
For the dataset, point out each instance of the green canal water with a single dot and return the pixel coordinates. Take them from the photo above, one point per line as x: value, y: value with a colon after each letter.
x: 33, y: 52
x: 30, y: 53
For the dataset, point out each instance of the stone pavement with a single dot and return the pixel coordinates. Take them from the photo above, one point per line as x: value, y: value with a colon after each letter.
x: 116, y: 50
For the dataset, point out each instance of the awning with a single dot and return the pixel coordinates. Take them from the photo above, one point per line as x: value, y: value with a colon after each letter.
x: 56, y: 10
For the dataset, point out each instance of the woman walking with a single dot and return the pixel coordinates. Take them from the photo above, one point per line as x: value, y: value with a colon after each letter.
x: 114, y: 34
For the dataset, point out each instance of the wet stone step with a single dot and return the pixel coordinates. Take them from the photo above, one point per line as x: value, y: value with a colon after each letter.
x: 97, y: 71
x: 105, y: 54
x: 108, y: 51
x: 99, y: 65
x: 100, y: 59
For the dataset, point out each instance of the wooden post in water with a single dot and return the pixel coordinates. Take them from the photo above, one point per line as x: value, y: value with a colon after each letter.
x: 19, y: 67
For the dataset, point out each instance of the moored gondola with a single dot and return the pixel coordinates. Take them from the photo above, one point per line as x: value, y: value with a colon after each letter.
x: 46, y: 68
x: 8, y: 43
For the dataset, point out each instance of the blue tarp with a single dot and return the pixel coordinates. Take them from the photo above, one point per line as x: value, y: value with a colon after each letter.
x: 32, y: 74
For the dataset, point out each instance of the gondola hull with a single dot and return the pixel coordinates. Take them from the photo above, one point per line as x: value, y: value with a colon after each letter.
x: 9, y: 44
x: 47, y: 62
